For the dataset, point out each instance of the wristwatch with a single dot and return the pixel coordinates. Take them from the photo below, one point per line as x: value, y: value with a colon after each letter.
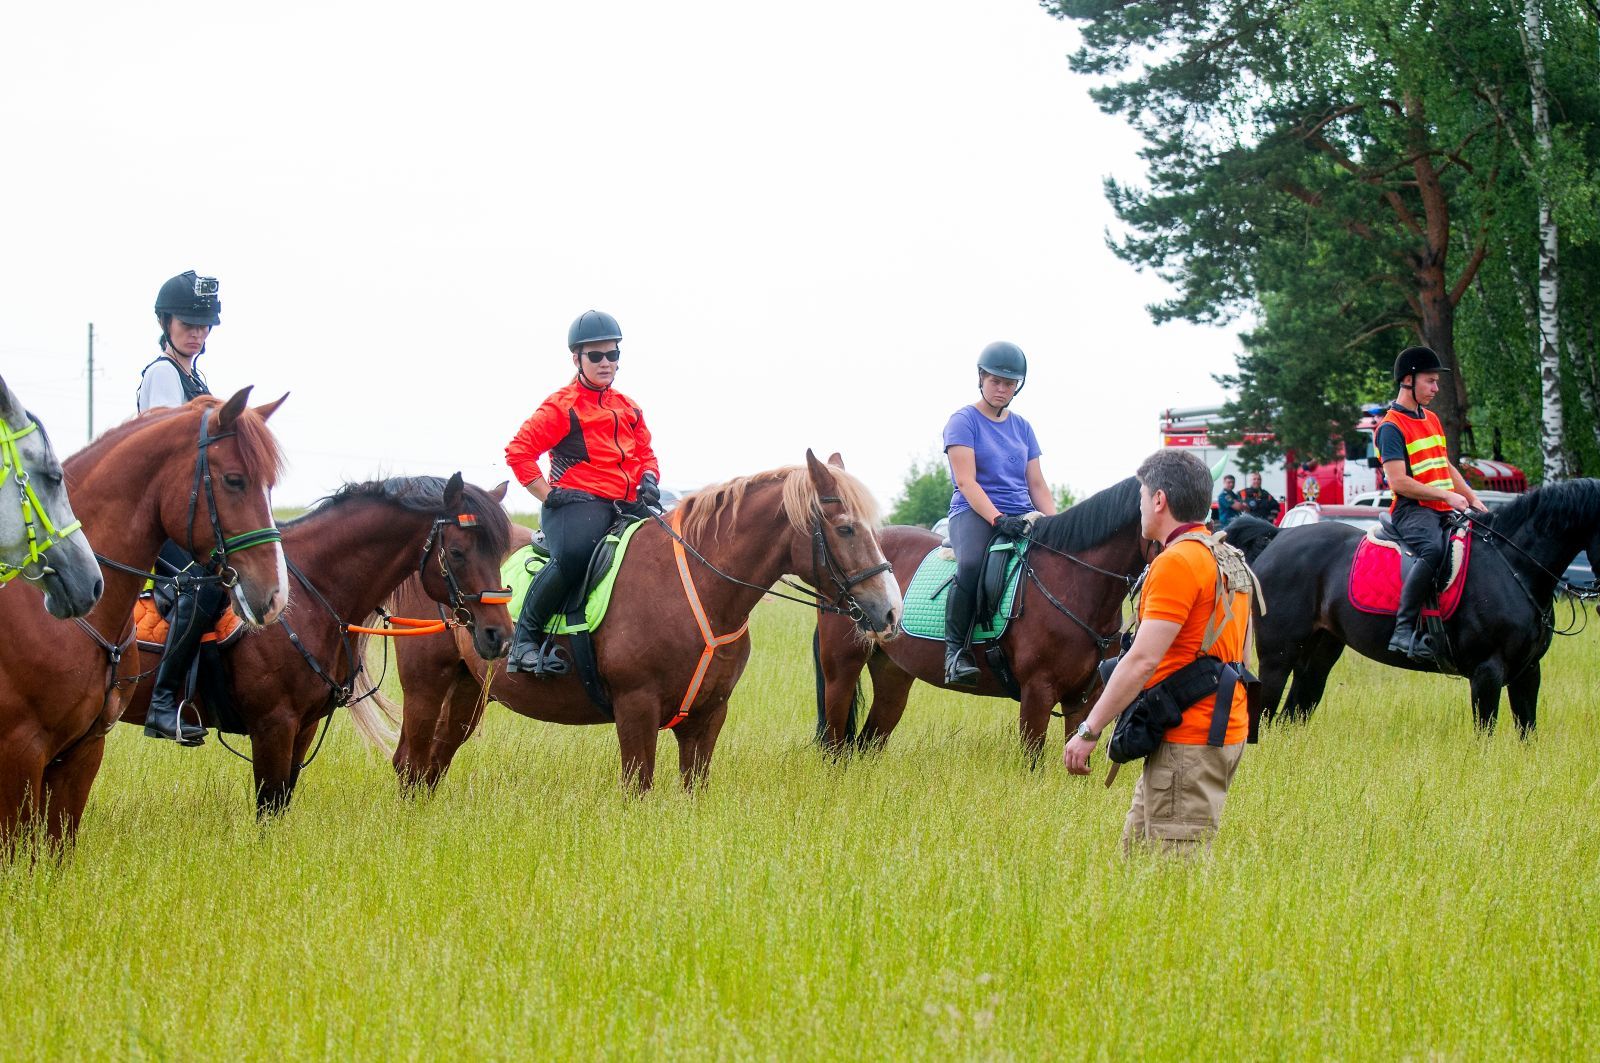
x: 1084, y: 733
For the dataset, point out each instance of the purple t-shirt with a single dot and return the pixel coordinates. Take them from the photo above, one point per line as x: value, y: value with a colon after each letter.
x: 1001, y: 451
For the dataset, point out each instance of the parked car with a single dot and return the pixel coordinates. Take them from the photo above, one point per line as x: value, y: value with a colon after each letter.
x: 1362, y: 517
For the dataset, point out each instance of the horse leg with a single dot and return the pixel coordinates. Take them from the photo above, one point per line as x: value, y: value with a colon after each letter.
x: 1310, y: 682
x: 463, y: 712
x: 891, y: 687
x: 272, y: 746
x: 838, y: 661
x: 1524, y: 693
x: 1033, y: 718
x: 21, y: 783
x: 66, y: 784
x: 302, y: 747
x: 1487, y: 679
x: 697, y: 737
x: 1277, y: 667
x: 638, y: 725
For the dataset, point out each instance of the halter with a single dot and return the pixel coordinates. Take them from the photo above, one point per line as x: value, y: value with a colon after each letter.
x: 33, y: 514
x: 835, y: 572
x: 458, y: 597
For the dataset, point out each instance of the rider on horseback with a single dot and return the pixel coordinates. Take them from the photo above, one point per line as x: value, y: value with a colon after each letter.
x: 600, y: 457
x: 994, y: 461
x: 188, y: 307
x: 1426, y: 485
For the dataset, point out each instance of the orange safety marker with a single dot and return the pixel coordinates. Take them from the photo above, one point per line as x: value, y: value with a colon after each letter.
x: 404, y: 625
x: 711, y: 641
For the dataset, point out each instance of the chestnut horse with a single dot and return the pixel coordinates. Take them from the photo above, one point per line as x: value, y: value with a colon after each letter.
x: 347, y: 555
x: 199, y: 474
x: 1073, y: 582
x: 815, y: 521
x: 40, y: 539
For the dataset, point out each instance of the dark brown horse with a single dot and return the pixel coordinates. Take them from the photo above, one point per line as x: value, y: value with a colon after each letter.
x: 815, y: 521
x: 347, y: 556
x: 1073, y: 583
x: 198, y: 474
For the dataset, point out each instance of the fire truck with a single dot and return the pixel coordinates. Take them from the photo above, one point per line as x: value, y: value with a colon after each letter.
x: 1332, y: 482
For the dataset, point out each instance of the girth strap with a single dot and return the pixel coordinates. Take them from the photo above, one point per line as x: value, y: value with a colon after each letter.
x: 711, y: 641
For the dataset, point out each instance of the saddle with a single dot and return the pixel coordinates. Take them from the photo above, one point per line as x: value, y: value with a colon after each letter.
x: 150, y: 627
x: 1382, y: 562
x: 206, y: 682
x: 997, y: 598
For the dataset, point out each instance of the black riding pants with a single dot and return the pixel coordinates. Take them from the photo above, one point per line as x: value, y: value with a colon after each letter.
x: 969, y: 535
x: 571, y: 532
x: 1421, y: 529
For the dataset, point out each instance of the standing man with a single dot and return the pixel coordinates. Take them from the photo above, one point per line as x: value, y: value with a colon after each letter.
x: 1258, y: 501
x: 1177, y: 804
x: 600, y: 459
x: 1229, y: 504
x: 1426, y: 486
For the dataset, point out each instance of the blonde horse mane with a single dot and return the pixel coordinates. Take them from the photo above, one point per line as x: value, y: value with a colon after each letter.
x: 702, y: 509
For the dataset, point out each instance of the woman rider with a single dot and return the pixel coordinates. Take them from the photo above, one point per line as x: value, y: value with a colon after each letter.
x: 994, y: 462
x: 600, y: 458
x: 188, y: 308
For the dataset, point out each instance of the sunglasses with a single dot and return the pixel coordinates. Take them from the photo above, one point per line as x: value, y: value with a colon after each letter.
x: 596, y: 357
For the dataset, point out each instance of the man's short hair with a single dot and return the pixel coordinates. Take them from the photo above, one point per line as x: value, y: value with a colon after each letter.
x: 1227, y: 478
x: 1184, y: 478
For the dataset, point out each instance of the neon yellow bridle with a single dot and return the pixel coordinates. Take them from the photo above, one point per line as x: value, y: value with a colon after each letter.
x: 33, y: 515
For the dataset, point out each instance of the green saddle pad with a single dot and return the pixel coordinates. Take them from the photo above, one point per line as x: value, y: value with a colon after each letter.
x: 925, y: 598
x: 520, y: 568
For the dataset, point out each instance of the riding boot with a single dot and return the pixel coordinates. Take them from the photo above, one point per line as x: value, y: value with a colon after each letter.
x: 959, y: 667
x: 1408, y: 637
x: 164, y: 717
x: 533, y: 651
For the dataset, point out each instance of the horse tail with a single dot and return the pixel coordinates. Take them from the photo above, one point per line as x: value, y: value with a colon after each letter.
x: 1251, y: 535
x: 376, y: 718
x: 822, y: 693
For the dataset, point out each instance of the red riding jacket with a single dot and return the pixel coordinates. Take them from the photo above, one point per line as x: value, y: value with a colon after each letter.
x: 597, y: 442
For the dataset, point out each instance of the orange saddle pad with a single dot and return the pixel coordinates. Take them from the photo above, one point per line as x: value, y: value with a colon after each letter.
x: 151, y: 626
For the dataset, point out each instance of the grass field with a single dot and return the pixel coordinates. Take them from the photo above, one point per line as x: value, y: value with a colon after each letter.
x: 1387, y: 884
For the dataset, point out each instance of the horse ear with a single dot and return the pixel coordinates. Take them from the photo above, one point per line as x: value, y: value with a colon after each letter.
x: 272, y: 407
x: 821, y: 478
x: 233, y: 407
x: 499, y: 493
x: 452, y: 492
x: 836, y: 459
x: 8, y: 402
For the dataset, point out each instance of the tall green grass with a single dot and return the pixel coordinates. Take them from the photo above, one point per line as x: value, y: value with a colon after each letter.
x: 1387, y: 883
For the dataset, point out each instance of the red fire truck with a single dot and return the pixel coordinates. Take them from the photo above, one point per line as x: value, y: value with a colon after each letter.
x: 1328, y: 483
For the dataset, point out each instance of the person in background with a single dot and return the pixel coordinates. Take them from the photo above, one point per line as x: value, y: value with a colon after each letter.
x: 1229, y: 504
x: 1258, y: 501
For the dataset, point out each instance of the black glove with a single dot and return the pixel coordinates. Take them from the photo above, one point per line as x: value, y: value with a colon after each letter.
x: 566, y: 496
x: 1011, y: 524
x: 649, y: 493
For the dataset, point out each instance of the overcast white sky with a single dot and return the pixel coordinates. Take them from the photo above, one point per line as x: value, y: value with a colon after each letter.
x: 808, y: 218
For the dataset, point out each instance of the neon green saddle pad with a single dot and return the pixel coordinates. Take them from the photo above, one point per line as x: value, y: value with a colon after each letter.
x: 925, y: 598
x: 520, y: 568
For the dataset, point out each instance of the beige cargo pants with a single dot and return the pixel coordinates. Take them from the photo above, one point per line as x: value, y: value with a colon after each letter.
x: 1177, y: 803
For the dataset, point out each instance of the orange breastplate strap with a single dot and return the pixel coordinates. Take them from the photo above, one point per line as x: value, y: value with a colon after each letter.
x: 711, y: 641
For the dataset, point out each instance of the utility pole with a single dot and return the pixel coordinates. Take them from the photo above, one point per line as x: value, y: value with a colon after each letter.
x: 91, y: 381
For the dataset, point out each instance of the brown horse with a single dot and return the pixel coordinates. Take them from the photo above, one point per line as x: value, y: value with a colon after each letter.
x: 1073, y: 582
x: 815, y: 521
x: 347, y: 555
x: 198, y: 474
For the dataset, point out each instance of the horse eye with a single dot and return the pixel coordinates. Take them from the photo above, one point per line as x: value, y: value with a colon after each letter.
x: 846, y: 530
x: 234, y: 480
x: 457, y: 554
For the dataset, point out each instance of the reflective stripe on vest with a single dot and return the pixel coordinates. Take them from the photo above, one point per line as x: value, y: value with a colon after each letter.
x: 1427, y: 460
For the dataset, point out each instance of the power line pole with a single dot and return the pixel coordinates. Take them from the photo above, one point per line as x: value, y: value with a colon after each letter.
x: 91, y: 381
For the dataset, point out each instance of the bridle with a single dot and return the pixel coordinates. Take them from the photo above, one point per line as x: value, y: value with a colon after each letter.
x: 34, y: 516
x: 460, y: 614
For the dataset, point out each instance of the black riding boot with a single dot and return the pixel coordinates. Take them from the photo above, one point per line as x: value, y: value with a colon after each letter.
x: 531, y: 650
x: 1408, y: 637
x: 185, y: 627
x: 959, y: 668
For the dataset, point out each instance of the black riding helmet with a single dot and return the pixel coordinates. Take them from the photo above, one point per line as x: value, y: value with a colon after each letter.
x: 1417, y: 360
x: 1004, y: 360
x: 592, y: 326
x: 191, y: 299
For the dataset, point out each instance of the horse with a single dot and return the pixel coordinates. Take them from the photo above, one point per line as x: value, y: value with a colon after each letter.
x: 200, y: 474
x: 347, y: 555
x: 1497, y: 636
x: 679, y: 608
x: 40, y: 538
x: 1081, y: 565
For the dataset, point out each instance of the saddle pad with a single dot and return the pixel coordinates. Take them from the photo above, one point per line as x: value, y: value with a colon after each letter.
x: 520, y: 568
x: 1375, y: 576
x: 151, y: 627
x: 923, y: 614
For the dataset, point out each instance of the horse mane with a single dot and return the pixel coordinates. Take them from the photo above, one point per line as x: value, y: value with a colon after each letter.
x: 1551, y: 510
x: 420, y: 494
x: 259, y: 452
x: 800, y: 500
x: 1092, y: 521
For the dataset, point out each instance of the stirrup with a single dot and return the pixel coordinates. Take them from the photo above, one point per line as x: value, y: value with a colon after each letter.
x: 545, y: 659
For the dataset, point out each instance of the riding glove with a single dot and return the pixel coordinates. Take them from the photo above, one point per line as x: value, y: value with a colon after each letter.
x: 1012, y: 524
x: 649, y: 492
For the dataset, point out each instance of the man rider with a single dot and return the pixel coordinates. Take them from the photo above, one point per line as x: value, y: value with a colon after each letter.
x: 1426, y: 485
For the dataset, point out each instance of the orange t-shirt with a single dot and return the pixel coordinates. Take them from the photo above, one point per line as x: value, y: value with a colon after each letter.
x: 1182, y: 588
